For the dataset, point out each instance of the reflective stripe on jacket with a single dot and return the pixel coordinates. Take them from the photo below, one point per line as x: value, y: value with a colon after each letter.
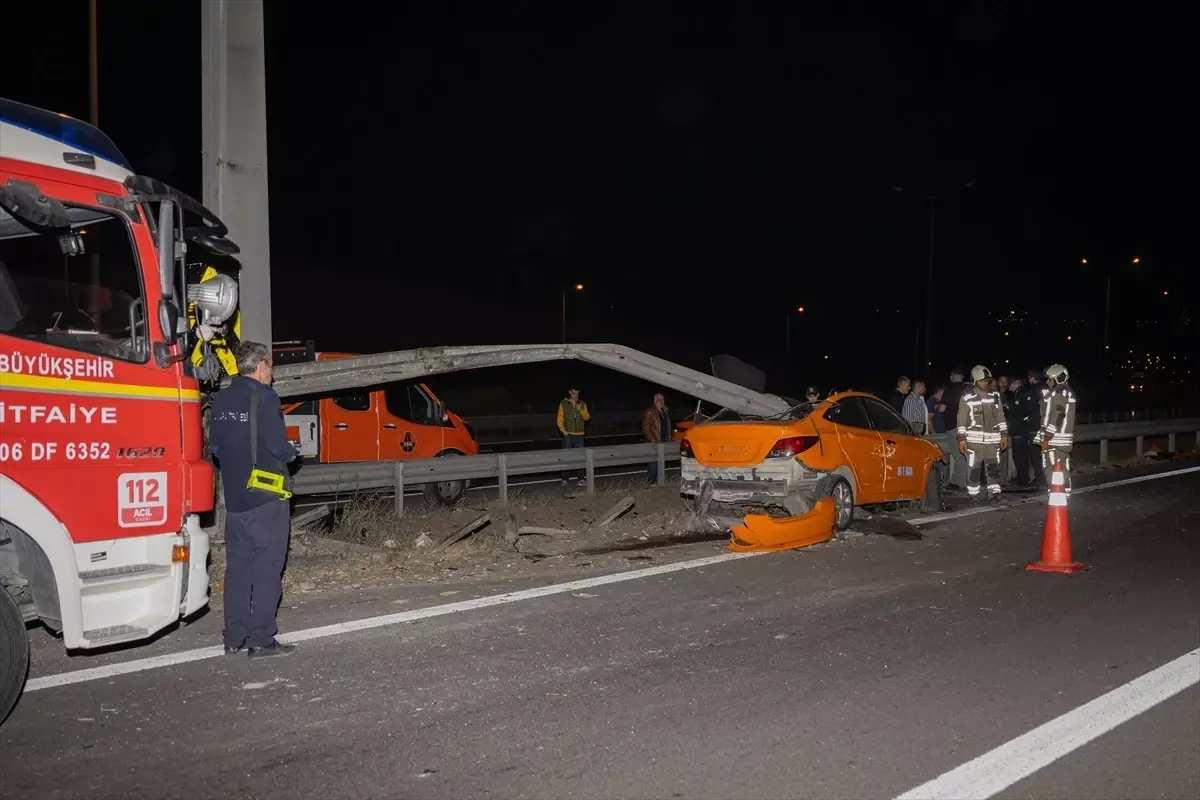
x: 1058, y: 418
x: 981, y: 418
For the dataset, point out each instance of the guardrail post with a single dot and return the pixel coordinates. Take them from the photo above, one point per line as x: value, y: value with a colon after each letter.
x: 398, y: 479
x: 1104, y: 451
x: 662, y: 464
x: 589, y: 470
x: 1170, y: 443
x: 502, y: 462
x: 1141, y: 440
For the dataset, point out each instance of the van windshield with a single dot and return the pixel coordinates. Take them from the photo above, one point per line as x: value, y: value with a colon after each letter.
x: 81, y: 291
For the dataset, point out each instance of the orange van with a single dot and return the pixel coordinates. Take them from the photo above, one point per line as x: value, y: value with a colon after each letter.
x: 394, y: 422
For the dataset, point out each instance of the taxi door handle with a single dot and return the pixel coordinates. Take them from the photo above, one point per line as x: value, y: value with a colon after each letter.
x: 341, y: 426
x: 390, y: 426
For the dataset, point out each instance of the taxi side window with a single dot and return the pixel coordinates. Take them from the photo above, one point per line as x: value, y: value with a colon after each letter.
x: 849, y: 412
x: 353, y: 401
x: 884, y: 419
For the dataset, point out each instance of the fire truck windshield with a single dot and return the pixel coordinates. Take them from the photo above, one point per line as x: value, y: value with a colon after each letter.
x: 81, y: 291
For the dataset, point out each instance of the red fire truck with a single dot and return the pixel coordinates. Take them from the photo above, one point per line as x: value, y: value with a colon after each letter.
x: 102, y: 474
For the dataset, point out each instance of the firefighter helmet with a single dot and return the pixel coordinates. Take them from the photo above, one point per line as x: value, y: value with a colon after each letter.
x: 980, y: 373
x: 1057, y: 374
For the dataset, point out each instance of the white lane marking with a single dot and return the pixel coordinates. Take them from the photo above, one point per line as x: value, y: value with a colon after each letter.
x: 186, y: 656
x: 169, y: 659
x: 995, y: 771
x: 1128, y: 481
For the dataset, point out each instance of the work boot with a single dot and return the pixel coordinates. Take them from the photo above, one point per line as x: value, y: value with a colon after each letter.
x: 275, y: 648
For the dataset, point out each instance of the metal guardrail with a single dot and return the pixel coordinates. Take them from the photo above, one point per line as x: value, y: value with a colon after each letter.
x: 510, y: 423
x: 1091, y: 434
x: 395, y: 475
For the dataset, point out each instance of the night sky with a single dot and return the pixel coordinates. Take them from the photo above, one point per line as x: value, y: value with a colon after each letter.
x: 439, y: 176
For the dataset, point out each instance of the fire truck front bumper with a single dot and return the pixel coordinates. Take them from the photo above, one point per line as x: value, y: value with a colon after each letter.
x: 195, y: 570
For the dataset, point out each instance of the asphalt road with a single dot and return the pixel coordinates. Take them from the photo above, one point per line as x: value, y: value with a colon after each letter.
x: 858, y: 669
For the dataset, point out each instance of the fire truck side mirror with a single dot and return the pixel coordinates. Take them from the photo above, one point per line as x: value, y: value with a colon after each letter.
x: 166, y: 254
x: 168, y: 319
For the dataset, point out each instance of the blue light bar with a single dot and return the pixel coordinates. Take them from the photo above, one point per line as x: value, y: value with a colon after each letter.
x: 73, y: 133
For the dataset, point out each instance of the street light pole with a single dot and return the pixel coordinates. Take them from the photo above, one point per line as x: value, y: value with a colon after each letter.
x: 929, y: 287
x: 788, y: 348
x: 93, y: 66
x: 932, y: 198
x: 578, y: 288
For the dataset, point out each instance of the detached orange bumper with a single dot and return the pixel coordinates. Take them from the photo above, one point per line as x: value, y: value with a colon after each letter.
x: 760, y: 533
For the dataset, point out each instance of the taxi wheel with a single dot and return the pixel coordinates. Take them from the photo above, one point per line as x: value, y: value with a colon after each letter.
x: 838, y: 489
x: 14, y: 653
x: 934, y: 485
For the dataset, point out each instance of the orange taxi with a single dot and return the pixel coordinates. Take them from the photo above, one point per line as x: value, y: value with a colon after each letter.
x: 787, y: 482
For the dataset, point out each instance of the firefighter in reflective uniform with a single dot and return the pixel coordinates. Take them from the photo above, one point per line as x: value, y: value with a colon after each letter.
x: 982, y: 434
x: 1057, y: 424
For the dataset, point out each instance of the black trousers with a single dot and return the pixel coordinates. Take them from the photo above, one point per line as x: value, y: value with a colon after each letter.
x: 256, y: 546
x: 1026, y: 460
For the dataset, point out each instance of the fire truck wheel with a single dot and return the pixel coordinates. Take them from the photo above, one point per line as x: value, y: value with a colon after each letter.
x: 14, y: 653
x: 446, y: 493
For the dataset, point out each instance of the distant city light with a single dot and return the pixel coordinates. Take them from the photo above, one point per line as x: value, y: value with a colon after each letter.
x: 800, y: 310
x: 1164, y: 292
x: 579, y: 287
x: 1068, y: 338
x: 826, y: 358
x: 1083, y: 261
x: 1006, y: 333
x: 1136, y: 260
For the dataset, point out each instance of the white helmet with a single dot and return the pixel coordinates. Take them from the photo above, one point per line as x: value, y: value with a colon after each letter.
x: 980, y: 373
x: 1057, y: 374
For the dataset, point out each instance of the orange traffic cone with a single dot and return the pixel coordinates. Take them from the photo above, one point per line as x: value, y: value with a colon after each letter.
x: 1056, y: 535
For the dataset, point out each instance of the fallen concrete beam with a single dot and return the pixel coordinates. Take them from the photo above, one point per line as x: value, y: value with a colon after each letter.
x: 309, y: 517
x: 618, y: 508
x: 530, y: 530
x: 463, y: 532
x: 324, y: 377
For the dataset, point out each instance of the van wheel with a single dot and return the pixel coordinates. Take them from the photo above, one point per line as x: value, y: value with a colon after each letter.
x: 446, y: 493
x: 14, y: 653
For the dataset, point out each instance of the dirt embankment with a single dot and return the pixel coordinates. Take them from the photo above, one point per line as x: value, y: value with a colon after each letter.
x: 365, y: 544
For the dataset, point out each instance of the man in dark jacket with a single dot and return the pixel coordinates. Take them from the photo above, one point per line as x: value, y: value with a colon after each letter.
x: 1023, y: 424
x: 951, y: 396
x: 257, y: 522
x: 900, y: 394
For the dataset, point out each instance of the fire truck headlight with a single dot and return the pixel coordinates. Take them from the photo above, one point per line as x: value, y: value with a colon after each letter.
x: 216, y: 298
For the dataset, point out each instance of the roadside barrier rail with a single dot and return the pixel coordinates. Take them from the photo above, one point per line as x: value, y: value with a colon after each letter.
x: 396, y: 475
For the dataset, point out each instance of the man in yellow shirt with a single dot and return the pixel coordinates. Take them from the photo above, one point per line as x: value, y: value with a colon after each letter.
x: 572, y: 416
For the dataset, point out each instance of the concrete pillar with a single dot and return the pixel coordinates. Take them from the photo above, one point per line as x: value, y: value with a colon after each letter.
x: 234, y: 97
